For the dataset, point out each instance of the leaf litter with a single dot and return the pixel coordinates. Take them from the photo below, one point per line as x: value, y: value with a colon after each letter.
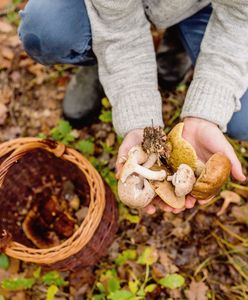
x: 198, y: 253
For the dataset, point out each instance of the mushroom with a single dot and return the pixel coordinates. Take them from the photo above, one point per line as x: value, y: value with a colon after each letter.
x: 136, y: 157
x: 212, y: 177
x: 165, y: 191
x: 229, y: 197
x: 135, y: 192
x: 182, y: 151
x: 183, y: 180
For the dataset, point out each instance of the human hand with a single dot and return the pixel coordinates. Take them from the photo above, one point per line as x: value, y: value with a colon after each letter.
x: 207, y: 139
x: 133, y: 138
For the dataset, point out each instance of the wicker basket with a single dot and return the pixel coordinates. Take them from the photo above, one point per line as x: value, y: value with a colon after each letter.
x: 24, y: 163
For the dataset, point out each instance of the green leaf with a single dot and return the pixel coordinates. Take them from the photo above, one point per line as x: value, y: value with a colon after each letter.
x: 113, y: 285
x: 87, y: 147
x: 62, y: 132
x: 106, y: 116
x: 98, y: 297
x: 148, y: 257
x: 100, y: 287
x: 2, y: 297
x: 51, y: 292
x: 150, y: 288
x: 126, y: 255
x: 172, y: 281
x: 120, y: 295
x: 125, y: 215
x: 42, y: 136
x: 105, y: 103
x: 54, y: 278
x: 133, y: 286
x: 4, y: 261
x: 17, y: 283
x: 37, y: 272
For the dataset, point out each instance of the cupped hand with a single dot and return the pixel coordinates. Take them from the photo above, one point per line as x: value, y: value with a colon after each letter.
x: 133, y: 138
x: 207, y: 139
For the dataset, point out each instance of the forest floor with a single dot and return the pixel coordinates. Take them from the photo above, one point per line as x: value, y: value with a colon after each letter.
x: 199, y: 254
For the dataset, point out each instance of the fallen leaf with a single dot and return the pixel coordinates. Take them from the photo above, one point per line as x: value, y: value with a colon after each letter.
x: 5, y: 27
x: 4, y: 3
x: 3, y: 113
x: 240, y: 213
x: 167, y: 263
x: 197, y: 291
x: 7, y: 53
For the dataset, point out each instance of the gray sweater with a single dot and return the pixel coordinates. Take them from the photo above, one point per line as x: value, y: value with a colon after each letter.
x: 123, y: 45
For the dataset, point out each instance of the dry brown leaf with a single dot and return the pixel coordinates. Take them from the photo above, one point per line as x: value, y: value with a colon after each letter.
x: 4, y: 3
x: 3, y: 113
x: 7, y: 53
x: 167, y: 262
x: 5, y: 27
x: 241, y: 213
x: 197, y: 291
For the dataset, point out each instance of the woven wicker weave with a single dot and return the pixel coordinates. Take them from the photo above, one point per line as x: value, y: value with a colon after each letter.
x: 24, y: 162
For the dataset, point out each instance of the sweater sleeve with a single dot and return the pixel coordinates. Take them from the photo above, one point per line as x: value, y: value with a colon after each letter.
x: 221, y: 72
x: 123, y: 45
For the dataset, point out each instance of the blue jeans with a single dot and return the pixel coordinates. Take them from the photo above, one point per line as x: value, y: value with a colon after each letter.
x: 58, y: 31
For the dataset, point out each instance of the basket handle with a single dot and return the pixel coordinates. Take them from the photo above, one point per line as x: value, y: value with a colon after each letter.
x: 49, y: 145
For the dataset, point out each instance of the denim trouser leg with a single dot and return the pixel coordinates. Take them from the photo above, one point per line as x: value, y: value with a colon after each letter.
x: 192, y: 31
x: 57, y: 31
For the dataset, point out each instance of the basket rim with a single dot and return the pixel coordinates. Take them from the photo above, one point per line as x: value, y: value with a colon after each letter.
x: 21, y: 146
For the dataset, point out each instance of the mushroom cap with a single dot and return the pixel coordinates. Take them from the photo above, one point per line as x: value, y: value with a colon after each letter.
x: 136, y: 192
x: 165, y: 191
x: 213, y: 176
x: 183, y: 180
x: 182, y: 151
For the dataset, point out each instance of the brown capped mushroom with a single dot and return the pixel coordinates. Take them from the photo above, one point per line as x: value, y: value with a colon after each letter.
x: 183, y: 180
x: 213, y: 176
x: 135, y: 192
x: 165, y: 191
x: 136, y: 157
x: 182, y: 151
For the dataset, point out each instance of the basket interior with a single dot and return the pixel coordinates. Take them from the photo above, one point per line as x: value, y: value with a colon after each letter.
x: 35, y: 177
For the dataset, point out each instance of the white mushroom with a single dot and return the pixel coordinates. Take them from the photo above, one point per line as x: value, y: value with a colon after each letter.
x: 183, y: 180
x: 136, y: 157
x: 152, y: 158
x: 135, y: 192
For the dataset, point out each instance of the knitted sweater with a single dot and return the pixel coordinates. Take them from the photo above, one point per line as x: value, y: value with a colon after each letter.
x: 123, y: 45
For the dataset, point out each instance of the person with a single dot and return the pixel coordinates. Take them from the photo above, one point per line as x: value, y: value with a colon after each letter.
x: 117, y: 34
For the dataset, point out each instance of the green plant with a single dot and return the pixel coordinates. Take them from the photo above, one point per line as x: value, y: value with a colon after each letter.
x: 86, y: 146
x: 62, y: 132
x: 4, y: 261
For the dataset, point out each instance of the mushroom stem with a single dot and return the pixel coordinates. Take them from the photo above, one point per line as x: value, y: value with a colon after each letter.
x: 150, y: 161
x: 149, y: 174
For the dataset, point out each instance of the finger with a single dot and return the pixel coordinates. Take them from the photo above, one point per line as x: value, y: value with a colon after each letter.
x: 236, y: 170
x: 190, y: 201
x: 118, y: 166
x: 206, y: 201
x: 163, y: 206
x: 178, y: 210
x: 149, y: 209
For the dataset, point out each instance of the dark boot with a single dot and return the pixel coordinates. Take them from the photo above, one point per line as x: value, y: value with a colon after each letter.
x: 82, y: 102
x: 172, y: 60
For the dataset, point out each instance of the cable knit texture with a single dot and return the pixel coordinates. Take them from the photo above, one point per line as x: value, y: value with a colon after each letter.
x: 127, y: 68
